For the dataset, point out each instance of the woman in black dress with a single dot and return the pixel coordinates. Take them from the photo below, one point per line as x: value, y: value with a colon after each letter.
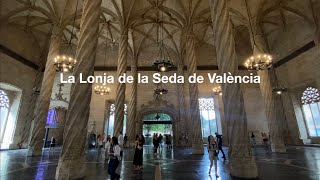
x: 137, y: 159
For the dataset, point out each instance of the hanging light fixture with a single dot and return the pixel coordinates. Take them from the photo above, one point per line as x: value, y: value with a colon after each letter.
x: 260, y: 61
x: 66, y: 62
x: 217, y: 91
x: 163, y: 62
x: 160, y: 90
x: 278, y: 88
x: 102, y: 89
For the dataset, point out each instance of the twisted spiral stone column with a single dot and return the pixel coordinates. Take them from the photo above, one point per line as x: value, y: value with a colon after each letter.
x: 72, y: 163
x: 42, y: 106
x: 106, y: 117
x: 197, y: 144
x: 31, y: 113
x: 121, y: 88
x: 132, y: 111
x: 242, y: 163
x: 181, y: 123
x: 272, y: 102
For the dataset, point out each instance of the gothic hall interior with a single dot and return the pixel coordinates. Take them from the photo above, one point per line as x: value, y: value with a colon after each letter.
x: 159, y: 89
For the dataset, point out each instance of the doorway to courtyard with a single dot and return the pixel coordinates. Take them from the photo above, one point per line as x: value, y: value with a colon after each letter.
x: 157, y: 123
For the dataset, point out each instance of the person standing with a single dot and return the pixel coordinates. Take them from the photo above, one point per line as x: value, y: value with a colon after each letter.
x: 156, y: 143
x: 120, y: 141
x: 138, y: 154
x: 52, y: 143
x: 219, y: 143
x: 125, y: 140
x: 114, y: 156
x: 213, y: 150
x: 107, y: 148
x: 253, y: 139
x: 99, y: 146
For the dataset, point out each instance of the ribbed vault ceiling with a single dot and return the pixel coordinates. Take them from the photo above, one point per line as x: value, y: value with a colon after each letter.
x: 143, y: 18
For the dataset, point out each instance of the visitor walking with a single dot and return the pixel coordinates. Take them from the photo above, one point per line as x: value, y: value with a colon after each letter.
x: 125, y: 140
x: 213, y: 154
x: 52, y: 143
x: 120, y: 141
x: 99, y: 146
x: 138, y: 154
x: 253, y: 139
x: 213, y: 150
x: 265, y: 139
x: 156, y: 143
x: 160, y: 141
x: 114, y: 156
x: 219, y: 142
x: 107, y: 148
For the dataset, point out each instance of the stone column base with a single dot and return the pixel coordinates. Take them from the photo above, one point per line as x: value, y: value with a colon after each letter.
x: 197, y: 148
x: 34, y: 151
x: 278, y: 148
x: 243, y: 167
x: 71, y: 169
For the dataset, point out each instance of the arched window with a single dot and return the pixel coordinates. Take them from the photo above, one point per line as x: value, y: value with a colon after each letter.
x: 4, y: 110
x: 311, y: 109
x: 111, y: 119
x: 207, y: 116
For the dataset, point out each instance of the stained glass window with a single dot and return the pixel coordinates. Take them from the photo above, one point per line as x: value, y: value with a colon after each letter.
x: 52, y: 119
x: 4, y: 100
x: 311, y: 109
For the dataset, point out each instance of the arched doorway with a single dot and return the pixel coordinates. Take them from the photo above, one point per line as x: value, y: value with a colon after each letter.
x: 168, y: 117
x: 157, y: 123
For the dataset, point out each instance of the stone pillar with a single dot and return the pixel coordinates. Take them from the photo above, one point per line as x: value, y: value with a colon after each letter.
x: 121, y: 88
x: 273, y: 109
x: 242, y: 163
x: 26, y: 132
x: 181, y: 127
x: 132, y: 111
x: 272, y: 102
x: 72, y: 161
x: 197, y: 143
x: 220, y: 109
x: 106, y: 117
x: 42, y: 106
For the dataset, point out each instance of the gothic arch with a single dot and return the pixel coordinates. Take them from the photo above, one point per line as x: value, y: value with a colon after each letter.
x: 157, y: 106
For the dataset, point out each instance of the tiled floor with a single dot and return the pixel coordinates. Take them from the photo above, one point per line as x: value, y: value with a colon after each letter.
x: 300, y: 163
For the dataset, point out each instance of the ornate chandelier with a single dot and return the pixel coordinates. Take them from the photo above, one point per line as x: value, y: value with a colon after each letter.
x: 163, y: 62
x: 217, y: 91
x: 161, y: 91
x: 259, y: 62
x: 64, y: 63
x: 101, y: 90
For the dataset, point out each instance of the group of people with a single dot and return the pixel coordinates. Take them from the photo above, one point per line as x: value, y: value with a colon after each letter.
x: 113, y: 152
x: 265, y: 139
x: 157, y: 142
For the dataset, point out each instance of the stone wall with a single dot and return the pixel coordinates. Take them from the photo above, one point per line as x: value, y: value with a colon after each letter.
x: 17, y: 74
